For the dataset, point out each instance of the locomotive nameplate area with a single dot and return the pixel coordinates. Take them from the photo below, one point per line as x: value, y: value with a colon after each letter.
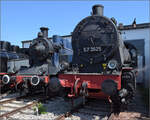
x: 92, y: 49
x: 96, y: 48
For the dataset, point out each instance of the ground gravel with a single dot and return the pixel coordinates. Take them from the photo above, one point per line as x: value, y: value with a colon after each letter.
x: 57, y: 106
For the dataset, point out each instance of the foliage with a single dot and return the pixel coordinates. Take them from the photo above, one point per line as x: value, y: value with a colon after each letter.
x: 41, y: 108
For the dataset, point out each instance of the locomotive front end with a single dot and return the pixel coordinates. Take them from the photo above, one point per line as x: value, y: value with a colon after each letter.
x: 41, y: 66
x: 99, y: 61
x: 91, y: 85
x: 8, y: 71
x: 95, y: 42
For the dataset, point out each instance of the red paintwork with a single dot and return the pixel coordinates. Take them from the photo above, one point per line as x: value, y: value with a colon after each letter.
x: 47, y: 79
x: 94, y: 82
x: 12, y: 85
x: 19, y: 78
x: 3, y: 73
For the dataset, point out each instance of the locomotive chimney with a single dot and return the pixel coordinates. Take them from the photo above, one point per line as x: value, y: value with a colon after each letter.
x: 44, y: 30
x: 98, y: 10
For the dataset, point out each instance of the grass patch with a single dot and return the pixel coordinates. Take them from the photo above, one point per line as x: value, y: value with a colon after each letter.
x: 41, y: 108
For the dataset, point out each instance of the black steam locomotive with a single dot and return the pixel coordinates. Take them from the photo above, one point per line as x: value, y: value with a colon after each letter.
x: 43, y: 53
x: 103, y: 66
x: 8, y: 53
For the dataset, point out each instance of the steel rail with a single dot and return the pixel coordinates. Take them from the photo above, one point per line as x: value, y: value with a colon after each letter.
x: 18, y: 109
x: 69, y: 113
x: 17, y: 98
x: 21, y: 108
x: 12, y: 99
x: 111, y: 116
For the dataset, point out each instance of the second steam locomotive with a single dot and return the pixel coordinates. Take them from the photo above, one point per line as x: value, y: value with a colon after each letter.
x: 42, y: 68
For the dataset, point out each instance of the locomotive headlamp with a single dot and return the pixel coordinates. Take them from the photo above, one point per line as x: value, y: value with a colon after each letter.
x: 112, y: 64
x: 104, y: 66
x: 35, y: 80
x: 5, y: 79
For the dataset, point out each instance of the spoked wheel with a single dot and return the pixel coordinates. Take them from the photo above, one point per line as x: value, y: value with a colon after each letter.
x: 128, y: 98
x: 121, y: 100
x: 127, y: 92
x: 115, y: 104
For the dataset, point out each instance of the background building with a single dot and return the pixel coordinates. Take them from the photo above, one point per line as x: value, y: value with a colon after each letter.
x: 138, y: 35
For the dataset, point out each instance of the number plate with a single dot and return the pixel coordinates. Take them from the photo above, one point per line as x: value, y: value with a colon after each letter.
x: 92, y: 49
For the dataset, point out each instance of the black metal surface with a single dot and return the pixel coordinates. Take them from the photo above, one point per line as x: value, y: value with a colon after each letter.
x: 44, y: 30
x: 109, y: 87
x: 43, y: 55
x: 96, y: 40
x: 133, y: 52
x: 41, y: 48
x: 3, y: 67
x: 54, y: 86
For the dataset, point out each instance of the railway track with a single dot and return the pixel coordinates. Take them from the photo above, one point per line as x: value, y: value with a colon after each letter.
x: 11, y: 99
x: 101, y: 110
x: 94, y: 109
x: 87, y: 111
x: 7, y: 114
x: 14, y: 105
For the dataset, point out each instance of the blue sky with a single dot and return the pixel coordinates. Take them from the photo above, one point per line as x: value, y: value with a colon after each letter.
x: 21, y: 20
